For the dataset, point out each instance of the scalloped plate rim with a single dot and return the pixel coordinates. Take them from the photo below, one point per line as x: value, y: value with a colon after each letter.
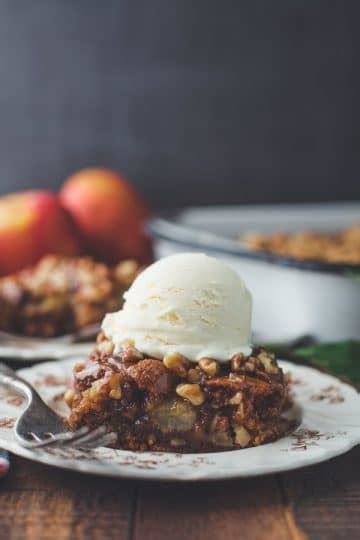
x: 209, y: 466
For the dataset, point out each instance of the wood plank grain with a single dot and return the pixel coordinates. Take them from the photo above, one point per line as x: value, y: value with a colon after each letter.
x: 251, y: 509
x: 325, y: 499
x: 321, y: 502
x: 40, y: 502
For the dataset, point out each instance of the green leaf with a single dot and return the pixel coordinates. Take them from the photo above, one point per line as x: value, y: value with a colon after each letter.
x: 342, y: 359
x: 355, y: 274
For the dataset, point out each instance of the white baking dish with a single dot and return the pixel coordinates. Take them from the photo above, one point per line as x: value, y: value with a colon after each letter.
x: 291, y: 298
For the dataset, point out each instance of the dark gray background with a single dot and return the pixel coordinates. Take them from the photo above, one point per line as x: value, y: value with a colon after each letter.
x: 199, y: 102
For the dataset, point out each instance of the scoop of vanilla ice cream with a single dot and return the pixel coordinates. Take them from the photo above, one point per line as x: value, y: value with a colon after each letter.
x: 187, y: 303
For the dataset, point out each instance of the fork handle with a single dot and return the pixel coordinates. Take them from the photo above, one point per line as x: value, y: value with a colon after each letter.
x: 10, y: 379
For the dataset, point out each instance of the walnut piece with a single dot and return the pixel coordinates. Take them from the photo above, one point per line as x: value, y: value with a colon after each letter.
x: 209, y: 366
x: 192, y: 392
x: 177, y: 363
x: 236, y: 399
x: 242, y: 436
x: 237, y: 362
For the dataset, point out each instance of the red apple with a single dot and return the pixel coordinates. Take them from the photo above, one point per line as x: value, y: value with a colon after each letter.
x: 32, y: 224
x: 109, y: 213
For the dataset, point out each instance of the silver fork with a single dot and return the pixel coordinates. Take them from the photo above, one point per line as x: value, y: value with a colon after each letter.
x: 39, y: 426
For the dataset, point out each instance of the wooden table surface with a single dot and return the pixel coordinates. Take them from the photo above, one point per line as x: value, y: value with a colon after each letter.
x: 319, y: 502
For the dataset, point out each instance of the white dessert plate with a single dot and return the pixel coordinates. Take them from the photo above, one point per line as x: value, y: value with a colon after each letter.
x: 28, y: 350
x: 328, y: 409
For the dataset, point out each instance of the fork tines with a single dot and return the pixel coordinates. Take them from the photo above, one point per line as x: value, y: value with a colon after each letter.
x: 83, y: 437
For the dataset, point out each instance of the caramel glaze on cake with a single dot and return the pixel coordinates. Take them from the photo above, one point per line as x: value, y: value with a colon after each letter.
x: 175, y: 405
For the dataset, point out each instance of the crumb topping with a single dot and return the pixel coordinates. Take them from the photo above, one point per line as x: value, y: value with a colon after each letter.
x: 340, y: 247
x: 62, y: 294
